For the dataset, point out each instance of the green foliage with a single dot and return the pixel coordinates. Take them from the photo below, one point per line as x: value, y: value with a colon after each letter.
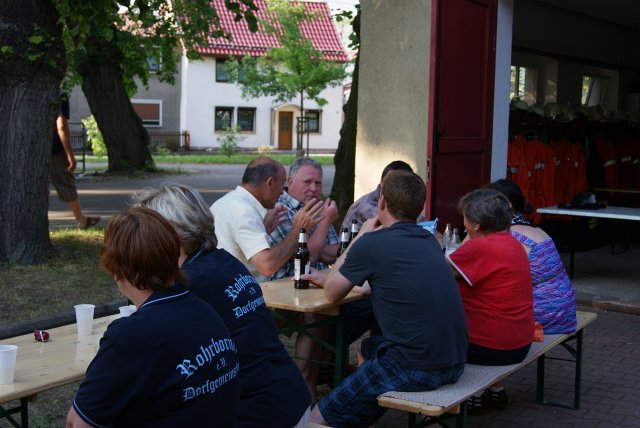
x: 172, y: 144
x: 127, y: 32
x: 163, y: 151
x: 295, y: 68
x: 229, y: 141
x: 94, y: 136
x: 35, y: 48
x: 347, y: 16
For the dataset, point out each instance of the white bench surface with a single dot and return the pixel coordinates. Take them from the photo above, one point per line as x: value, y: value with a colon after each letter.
x: 474, y: 379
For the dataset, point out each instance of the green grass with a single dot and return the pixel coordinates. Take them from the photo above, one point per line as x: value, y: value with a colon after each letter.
x: 241, y: 159
x: 72, y: 275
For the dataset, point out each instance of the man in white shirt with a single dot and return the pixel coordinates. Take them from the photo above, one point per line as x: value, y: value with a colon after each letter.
x: 239, y: 218
x: 240, y: 214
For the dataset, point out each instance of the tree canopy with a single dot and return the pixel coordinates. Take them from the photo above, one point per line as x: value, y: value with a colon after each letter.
x: 139, y: 30
x: 295, y: 68
x: 109, y: 44
x: 106, y: 43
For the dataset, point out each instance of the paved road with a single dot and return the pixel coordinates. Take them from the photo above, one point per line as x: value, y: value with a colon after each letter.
x: 105, y: 198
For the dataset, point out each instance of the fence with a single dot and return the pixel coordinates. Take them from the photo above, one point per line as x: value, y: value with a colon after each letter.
x: 78, y: 140
x: 172, y: 140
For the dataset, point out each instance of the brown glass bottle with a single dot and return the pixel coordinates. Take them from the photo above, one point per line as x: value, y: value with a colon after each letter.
x: 344, y: 241
x: 301, y: 262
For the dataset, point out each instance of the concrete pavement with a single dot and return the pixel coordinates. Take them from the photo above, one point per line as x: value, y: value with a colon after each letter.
x: 610, y: 375
x: 106, y: 197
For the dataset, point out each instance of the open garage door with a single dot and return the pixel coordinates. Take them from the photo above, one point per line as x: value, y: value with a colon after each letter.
x: 459, y: 153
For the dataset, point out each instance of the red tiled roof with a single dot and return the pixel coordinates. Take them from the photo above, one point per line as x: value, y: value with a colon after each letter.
x: 321, y: 31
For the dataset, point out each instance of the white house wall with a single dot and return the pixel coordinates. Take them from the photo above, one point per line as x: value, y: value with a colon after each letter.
x: 201, y: 94
x: 166, y: 93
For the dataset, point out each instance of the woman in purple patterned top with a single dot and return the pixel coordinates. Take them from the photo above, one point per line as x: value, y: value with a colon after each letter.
x: 554, y: 302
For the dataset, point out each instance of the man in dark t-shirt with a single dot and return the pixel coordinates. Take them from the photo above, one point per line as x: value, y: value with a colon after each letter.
x: 415, y: 301
x: 62, y: 165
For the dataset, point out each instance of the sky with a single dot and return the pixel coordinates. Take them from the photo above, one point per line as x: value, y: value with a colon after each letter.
x: 342, y: 4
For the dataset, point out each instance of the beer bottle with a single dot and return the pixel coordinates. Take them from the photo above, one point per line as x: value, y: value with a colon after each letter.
x: 301, y: 261
x: 354, y: 230
x: 344, y: 241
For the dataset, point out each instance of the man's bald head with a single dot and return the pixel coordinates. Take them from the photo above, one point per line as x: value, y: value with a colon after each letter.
x: 264, y: 178
x: 260, y: 169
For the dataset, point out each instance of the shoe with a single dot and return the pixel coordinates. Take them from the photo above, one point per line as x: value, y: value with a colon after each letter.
x: 89, y: 222
x: 498, y: 399
x: 476, y: 405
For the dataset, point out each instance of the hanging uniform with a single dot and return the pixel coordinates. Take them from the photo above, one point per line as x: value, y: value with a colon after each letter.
x: 571, y: 171
x: 541, y: 161
x: 609, y: 156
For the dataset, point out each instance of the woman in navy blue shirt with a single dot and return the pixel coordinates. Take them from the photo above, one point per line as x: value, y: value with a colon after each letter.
x: 171, y: 363
x: 273, y: 390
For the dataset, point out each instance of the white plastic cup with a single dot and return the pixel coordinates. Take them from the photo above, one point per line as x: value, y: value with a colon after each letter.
x: 125, y: 311
x: 8, y: 354
x: 84, y: 319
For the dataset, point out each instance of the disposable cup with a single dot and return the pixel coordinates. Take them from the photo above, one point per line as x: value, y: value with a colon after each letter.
x: 8, y: 355
x: 125, y: 311
x: 84, y: 319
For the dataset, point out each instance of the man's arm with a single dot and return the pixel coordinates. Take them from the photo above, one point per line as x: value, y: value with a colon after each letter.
x: 275, y: 217
x: 318, y: 250
x: 75, y: 421
x: 62, y: 126
x: 335, y: 285
x: 269, y: 260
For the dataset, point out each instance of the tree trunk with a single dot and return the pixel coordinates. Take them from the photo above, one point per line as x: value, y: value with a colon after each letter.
x: 126, y: 140
x: 345, y: 157
x: 31, y: 74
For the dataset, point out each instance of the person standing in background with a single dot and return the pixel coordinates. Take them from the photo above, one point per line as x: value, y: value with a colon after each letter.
x: 62, y: 165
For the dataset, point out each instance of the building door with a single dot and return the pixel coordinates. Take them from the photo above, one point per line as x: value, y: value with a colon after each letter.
x: 285, y: 130
x: 462, y: 81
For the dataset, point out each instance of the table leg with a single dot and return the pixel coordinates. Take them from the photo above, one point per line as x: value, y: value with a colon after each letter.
x: 24, y: 412
x: 23, y: 408
x: 613, y: 238
x: 341, y: 353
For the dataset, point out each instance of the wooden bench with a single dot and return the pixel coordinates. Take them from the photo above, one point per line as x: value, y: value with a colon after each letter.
x: 449, y: 401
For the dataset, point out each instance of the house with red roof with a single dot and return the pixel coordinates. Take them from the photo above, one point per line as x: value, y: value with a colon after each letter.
x: 204, y: 102
x: 210, y: 102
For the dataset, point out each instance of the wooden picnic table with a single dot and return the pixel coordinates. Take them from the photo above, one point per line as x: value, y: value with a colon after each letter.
x: 280, y: 294
x: 41, y: 366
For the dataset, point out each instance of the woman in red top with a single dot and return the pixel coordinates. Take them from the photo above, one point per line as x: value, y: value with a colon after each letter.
x: 494, y: 279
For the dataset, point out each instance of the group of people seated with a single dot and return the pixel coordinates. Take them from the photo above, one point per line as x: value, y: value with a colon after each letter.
x: 203, y: 346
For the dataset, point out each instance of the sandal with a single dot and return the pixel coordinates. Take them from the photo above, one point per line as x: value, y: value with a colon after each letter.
x: 89, y: 222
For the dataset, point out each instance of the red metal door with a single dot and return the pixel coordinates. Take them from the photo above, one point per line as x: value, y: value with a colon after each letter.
x: 462, y: 81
